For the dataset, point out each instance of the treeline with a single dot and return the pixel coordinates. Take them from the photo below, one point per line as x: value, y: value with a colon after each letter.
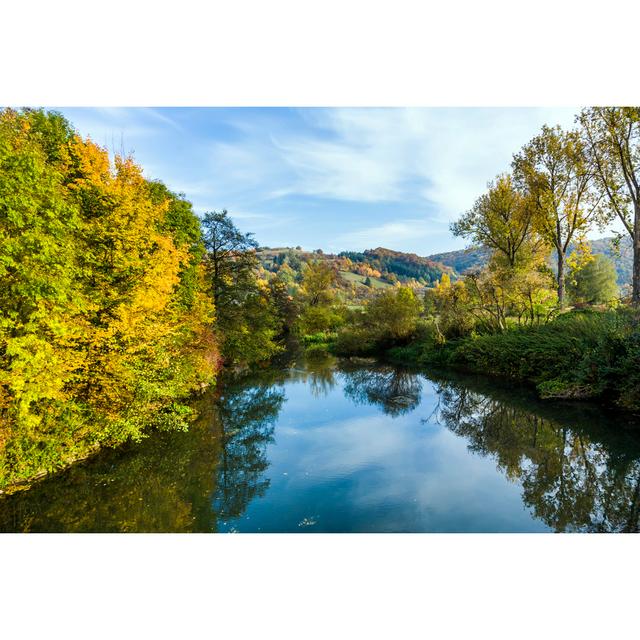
x: 115, y: 302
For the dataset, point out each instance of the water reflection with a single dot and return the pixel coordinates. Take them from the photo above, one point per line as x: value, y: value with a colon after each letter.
x: 396, y: 390
x: 347, y: 446
x: 178, y: 482
x: 576, y: 474
x: 247, y: 415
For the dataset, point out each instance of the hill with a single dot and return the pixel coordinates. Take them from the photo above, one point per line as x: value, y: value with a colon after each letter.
x: 404, y: 266
x: 463, y: 260
x: 361, y: 275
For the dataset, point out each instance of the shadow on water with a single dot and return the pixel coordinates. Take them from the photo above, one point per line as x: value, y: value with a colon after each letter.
x: 577, y: 466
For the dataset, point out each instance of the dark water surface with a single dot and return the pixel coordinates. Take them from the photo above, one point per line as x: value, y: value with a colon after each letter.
x: 333, y: 446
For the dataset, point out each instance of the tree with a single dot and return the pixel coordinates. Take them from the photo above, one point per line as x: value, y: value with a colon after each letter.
x: 230, y: 256
x: 502, y: 219
x: 284, y: 304
x: 595, y: 282
x: 612, y: 137
x: 251, y: 329
x: 389, y: 318
x: 321, y: 311
x: 247, y: 320
x: 393, y: 315
x: 555, y: 169
x: 104, y: 321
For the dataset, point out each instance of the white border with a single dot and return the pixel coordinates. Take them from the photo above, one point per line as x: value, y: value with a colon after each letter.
x: 334, y: 52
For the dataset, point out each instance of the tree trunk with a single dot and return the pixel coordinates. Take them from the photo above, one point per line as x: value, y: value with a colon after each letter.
x: 635, y: 296
x: 561, y: 300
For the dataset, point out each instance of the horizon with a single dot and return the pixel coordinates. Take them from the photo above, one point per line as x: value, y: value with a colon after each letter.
x: 336, y: 179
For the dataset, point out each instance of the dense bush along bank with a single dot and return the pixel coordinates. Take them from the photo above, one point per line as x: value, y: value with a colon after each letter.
x: 580, y: 355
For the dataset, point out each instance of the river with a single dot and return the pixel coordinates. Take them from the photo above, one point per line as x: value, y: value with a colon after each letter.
x: 336, y: 446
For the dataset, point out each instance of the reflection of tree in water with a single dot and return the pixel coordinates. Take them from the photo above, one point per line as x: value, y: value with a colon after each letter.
x: 573, y: 477
x: 317, y: 370
x: 247, y: 415
x: 396, y: 390
x: 321, y: 376
x: 169, y: 482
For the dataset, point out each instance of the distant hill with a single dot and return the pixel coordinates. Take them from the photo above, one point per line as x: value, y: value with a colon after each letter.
x: 462, y: 260
x: 361, y: 274
x: 622, y: 258
x: 403, y: 265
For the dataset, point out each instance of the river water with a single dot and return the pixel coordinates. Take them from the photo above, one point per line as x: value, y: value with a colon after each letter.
x: 337, y: 446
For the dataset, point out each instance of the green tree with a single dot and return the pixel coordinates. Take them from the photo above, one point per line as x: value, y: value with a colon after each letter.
x: 247, y: 321
x: 612, y: 137
x: 321, y: 310
x: 230, y: 258
x: 393, y: 315
x: 595, y: 282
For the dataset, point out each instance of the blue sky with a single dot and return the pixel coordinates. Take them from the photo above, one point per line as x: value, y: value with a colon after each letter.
x: 336, y: 179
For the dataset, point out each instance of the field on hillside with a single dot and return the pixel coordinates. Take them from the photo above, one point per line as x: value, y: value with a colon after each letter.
x: 359, y: 280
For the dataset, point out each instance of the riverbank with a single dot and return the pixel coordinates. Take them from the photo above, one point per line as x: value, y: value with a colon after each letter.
x: 580, y: 355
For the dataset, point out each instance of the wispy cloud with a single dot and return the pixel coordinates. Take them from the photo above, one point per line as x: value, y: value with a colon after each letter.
x: 361, y: 177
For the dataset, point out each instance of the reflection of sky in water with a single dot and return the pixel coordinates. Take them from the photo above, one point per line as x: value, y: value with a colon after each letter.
x: 338, y: 466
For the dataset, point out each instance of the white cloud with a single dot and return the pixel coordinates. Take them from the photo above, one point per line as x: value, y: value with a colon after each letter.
x: 437, y: 157
x: 443, y: 156
x: 428, y: 164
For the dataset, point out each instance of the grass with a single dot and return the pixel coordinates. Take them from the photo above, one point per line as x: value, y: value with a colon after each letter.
x: 376, y: 283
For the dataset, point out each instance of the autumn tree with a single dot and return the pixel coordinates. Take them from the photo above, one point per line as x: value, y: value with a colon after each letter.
x: 612, y: 138
x: 104, y: 321
x: 321, y: 310
x: 501, y: 219
x: 555, y: 170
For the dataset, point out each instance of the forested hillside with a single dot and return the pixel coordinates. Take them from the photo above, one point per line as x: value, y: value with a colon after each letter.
x: 359, y: 275
x: 363, y: 273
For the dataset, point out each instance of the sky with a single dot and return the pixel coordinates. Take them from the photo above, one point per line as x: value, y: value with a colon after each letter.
x: 330, y: 178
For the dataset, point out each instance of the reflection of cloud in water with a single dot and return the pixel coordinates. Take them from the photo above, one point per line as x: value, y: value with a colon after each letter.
x: 407, y: 475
